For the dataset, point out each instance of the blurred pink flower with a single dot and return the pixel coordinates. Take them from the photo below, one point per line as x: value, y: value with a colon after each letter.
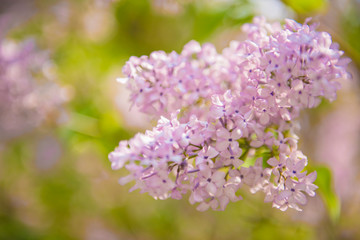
x: 338, y: 141
x: 27, y: 93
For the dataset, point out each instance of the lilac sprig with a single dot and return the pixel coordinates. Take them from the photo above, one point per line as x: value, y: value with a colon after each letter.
x: 27, y: 94
x: 232, y: 116
x: 162, y: 83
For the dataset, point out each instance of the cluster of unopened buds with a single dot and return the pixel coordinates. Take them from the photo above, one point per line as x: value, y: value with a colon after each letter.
x: 228, y: 120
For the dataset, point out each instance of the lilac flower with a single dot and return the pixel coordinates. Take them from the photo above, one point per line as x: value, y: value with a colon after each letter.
x: 205, y: 155
x: 291, y: 196
x: 310, y: 187
x: 294, y: 167
x: 221, y: 111
x: 28, y: 95
x: 232, y: 157
x: 278, y: 166
x: 211, y: 181
x: 227, y: 139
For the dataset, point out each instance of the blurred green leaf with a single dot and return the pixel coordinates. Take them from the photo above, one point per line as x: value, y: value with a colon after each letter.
x: 208, y: 20
x: 83, y: 124
x: 350, y: 25
x: 12, y: 229
x: 325, y: 183
x: 306, y: 6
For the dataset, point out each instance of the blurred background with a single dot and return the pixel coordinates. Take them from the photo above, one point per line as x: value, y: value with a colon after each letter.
x: 67, y: 113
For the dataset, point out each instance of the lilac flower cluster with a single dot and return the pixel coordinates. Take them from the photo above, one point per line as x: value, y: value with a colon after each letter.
x: 25, y: 99
x: 228, y: 120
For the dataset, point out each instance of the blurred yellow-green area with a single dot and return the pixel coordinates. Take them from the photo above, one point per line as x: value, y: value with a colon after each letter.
x: 56, y: 181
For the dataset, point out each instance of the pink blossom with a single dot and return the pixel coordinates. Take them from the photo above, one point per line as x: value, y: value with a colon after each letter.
x: 28, y: 94
x: 229, y: 119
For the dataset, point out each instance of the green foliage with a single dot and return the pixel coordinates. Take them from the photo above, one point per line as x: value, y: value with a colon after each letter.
x: 351, y: 27
x: 325, y: 183
x: 12, y: 229
x: 307, y: 6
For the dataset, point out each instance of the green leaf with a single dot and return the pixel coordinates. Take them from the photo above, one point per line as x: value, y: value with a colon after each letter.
x: 306, y: 6
x: 325, y: 183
